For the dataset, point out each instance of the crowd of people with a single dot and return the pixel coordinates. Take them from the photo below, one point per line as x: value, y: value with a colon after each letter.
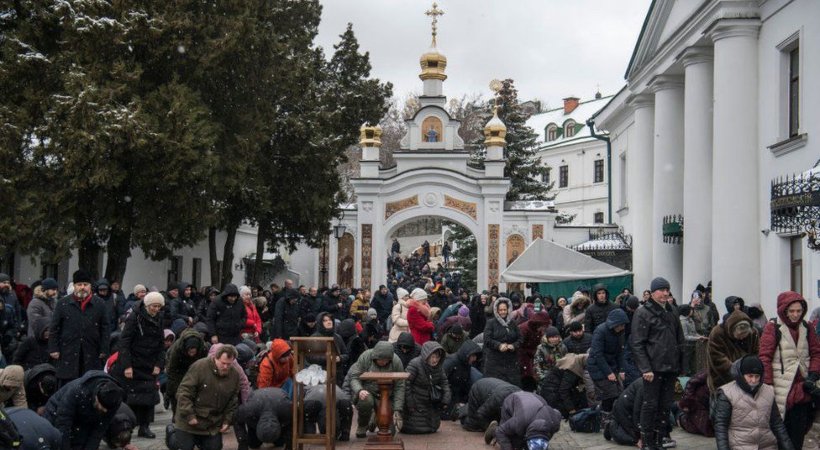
x: 91, y: 364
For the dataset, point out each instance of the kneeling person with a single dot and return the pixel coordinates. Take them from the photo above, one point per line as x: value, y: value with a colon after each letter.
x: 378, y: 359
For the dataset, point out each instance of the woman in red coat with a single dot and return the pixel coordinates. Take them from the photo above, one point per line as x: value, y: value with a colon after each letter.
x: 253, y: 323
x: 418, y: 317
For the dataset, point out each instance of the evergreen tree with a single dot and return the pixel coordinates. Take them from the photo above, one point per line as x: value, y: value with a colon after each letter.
x: 465, y: 255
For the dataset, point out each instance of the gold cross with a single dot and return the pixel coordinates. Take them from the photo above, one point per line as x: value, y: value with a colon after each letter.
x: 434, y: 13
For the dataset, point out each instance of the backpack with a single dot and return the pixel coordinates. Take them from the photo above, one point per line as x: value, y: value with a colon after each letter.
x: 252, y: 369
x: 587, y: 420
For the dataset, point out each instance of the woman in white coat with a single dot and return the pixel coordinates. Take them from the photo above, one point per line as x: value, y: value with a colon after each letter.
x: 399, y: 315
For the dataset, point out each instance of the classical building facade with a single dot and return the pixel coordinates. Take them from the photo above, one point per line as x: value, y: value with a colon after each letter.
x: 720, y: 103
x: 577, y: 160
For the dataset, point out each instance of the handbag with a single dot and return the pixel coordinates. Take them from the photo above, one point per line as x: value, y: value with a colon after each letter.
x: 436, y: 395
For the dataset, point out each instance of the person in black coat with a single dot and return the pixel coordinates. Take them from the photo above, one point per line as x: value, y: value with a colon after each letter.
x: 333, y: 304
x: 79, y: 332
x: 83, y: 409
x: 526, y: 419
x: 183, y: 307
x: 40, y: 383
x: 326, y: 327
x: 502, y: 339
x: 34, y: 349
x: 141, y: 358
x: 36, y: 432
x: 606, y: 360
x: 286, y: 316
x: 484, y: 403
x: 406, y: 348
x: 226, y: 317
x: 265, y: 418
x: 315, y: 411
x: 460, y: 370
x: 578, y: 341
x: 354, y: 343
x: 382, y: 302
x: 479, y: 308
x: 118, y: 434
x: 599, y: 311
x: 626, y: 416
x: 422, y: 414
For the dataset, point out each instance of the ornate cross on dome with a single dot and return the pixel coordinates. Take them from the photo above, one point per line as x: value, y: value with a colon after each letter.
x: 434, y: 13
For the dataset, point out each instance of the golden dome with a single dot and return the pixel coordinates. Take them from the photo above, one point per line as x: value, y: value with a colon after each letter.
x: 433, y: 64
x: 495, y: 132
x: 370, y: 136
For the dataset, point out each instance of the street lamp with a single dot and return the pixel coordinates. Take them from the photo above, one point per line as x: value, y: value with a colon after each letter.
x: 339, y: 230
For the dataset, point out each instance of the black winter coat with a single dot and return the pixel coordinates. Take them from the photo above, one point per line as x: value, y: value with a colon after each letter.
x: 266, y: 404
x: 71, y: 410
x: 478, y: 317
x: 406, y: 339
x: 606, y: 355
x: 457, y: 369
x: 225, y: 319
x: 341, y: 348
x: 178, y: 361
x: 183, y: 308
x: 498, y: 364
x: 141, y: 347
x: 34, y: 349
x: 525, y: 415
x: 596, y: 315
x: 484, y: 403
x: 331, y: 304
x: 657, y: 339
x: 626, y: 411
x: 37, y: 432
x: 80, y: 336
x: 383, y: 304
x: 421, y: 415
x: 286, y: 319
x: 579, y: 346
x: 31, y: 380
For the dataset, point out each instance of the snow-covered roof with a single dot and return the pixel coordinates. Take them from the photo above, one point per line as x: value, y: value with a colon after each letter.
x: 602, y: 244
x: 580, y: 114
x: 529, y: 205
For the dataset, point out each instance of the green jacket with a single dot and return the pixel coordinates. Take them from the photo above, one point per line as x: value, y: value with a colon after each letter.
x: 367, y: 363
x: 208, y: 396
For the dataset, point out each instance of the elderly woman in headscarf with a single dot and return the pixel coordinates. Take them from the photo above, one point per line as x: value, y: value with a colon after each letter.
x: 728, y: 342
x: 502, y: 339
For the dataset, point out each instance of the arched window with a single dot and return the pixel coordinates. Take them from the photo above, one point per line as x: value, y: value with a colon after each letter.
x: 551, y: 132
x: 569, y: 128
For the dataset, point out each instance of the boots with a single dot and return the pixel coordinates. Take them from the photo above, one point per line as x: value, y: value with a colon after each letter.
x: 146, y: 432
x: 489, y: 434
x: 170, y: 442
x: 649, y: 441
x: 606, y: 417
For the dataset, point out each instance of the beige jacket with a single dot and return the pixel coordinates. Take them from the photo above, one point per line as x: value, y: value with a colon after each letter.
x: 12, y: 377
x: 399, y: 317
x: 794, y: 358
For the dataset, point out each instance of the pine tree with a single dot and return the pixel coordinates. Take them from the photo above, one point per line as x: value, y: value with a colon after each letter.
x: 465, y: 255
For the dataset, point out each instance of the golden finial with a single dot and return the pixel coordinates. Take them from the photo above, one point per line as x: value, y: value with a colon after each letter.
x: 434, y: 13
x: 495, y: 131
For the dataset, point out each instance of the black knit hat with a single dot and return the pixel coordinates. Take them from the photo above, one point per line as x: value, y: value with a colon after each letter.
x: 109, y: 395
x: 575, y: 326
x: 552, y: 331
x: 82, y: 276
x: 751, y: 364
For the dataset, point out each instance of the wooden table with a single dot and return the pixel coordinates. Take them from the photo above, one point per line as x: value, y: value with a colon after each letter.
x: 384, y: 440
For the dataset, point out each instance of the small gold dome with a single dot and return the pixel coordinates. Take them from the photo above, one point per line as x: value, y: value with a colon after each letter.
x: 370, y: 136
x: 433, y: 64
x: 495, y: 132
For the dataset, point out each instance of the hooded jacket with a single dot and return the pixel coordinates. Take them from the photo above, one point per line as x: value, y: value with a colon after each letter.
x: 225, y: 320
x: 745, y: 421
x: 182, y: 308
x: 525, y: 415
x: 730, y: 305
x: 457, y: 369
x: 272, y: 372
x: 34, y: 349
x: 399, y: 317
x: 606, y: 355
x: 178, y: 360
x: 597, y: 313
x: 367, y: 363
x: 531, y: 333
x: 498, y: 364
x: 787, y: 361
x: 723, y: 349
x: 406, y: 339
x: 421, y: 416
x: 31, y: 380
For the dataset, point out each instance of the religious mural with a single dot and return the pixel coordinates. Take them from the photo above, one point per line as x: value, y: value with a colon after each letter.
x: 367, y: 254
x: 493, y: 231
x: 515, y: 247
x: 431, y: 129
x: 345, y: 261
x: 394, y: 207
x: 460, y: 205
x: 537, y: 231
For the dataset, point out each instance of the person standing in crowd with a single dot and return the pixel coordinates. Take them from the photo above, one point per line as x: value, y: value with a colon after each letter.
x: 446, y: 252
x: 501, y: 341
x: 705, y: 317
x: 531, y: 333
x: 206, y: 402
x: 359, y: 307
x: 253, y: 323
x: 398, y: 315
x: 790, y: 353
x: 746, y: 414
x: 547, y: 355
x: 691, y: 339
x: 138, y: 294
x: 141, y: 358
x: 576, y: 310
x: 8, y: 296
x: 480, y: 309
x: 728, y: 342
x: 378, y: 359
x: 79, y: 331
x: 226, y: 317
x: 418, y: 317
x: 185, y: 351
x: 578, y: 341
x: 286, y: 316
x: 606, y: 361
x: 43, y: 303
x: 209, y: 297
x: 656, y: 340
x: 183, y: 306
x: 598, y: 312
x: 83, y: 408
x: 526, y: 420
x: 382, y: 302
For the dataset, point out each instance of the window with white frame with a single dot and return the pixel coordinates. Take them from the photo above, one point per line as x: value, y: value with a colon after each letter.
x: 569, y: 128
x: 552, y: 132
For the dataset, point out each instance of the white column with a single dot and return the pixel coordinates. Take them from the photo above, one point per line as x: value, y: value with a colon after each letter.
x: 667, y: 176
x: 697, y: 168
x: 735, y: 222
x: 640, y: 194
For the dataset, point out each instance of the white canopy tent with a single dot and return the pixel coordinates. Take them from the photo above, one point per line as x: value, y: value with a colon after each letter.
x: 547, y: 262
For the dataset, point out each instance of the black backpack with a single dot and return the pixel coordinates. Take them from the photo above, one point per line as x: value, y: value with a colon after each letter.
x: 9, y: 436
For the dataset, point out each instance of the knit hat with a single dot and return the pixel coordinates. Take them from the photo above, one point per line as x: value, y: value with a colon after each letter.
x: 109, y: 394
x: 139, y: 288
x: 418, y: 294
x: 371, y: 313
x: 82, y: 276
x: 552, y: 331
x: 166, y: 333
x: 154, y: 298
x: 632, y: 302
x: 463, y: 311
x: 684, y: 310
x: 575, y: 326
x: 751, y: 364
x: 456, y: 329
x: 401, y: 293
x: 244, y: 353
x: 49, y: 283
x: 4, y: 278
x: 658, y: 283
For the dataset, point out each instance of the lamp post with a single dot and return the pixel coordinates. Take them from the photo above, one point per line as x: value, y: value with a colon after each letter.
x: 339, y: 230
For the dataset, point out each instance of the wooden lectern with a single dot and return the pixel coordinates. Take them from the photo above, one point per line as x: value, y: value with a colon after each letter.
x: 303, y: 346
x: 384, y: 440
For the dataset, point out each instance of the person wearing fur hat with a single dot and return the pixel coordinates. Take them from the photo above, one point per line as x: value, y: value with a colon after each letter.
x: 502, y: 339
x: 43, y: 303
x: 398, y: 315
x: 419, y: 316
x: 575, y: 311
x: 746, y: 413
x: 80, y: 330
x: 141, y: 358
x: 790, y: 353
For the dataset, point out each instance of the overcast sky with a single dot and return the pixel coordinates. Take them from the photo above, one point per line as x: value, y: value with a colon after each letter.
x: 551, y: 48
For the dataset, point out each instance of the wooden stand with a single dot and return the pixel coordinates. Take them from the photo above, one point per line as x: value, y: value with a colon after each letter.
x: 303, y: 346
x: 384, y: 440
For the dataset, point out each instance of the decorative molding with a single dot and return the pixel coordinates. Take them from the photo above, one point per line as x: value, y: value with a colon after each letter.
x: 431, y: 200
x: 696, y: 55
x: 515, y: 246
x: 515, y: 229
x: 663, y: 82
x: 367, y: 206
x: 350, y: 229
x: 492, y: 262
x: 367, y: 254
x: 729, y: 28
x: 495, y: 206
x: 467, y: 208
x: 394, y: 207
x: 789, y: 145
x: 537, y: 231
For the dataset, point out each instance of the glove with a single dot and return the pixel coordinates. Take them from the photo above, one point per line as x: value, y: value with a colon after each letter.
x: 810, y: 383
x: 397, y: 420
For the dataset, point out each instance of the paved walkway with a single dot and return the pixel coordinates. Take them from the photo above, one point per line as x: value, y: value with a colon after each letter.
x: 449, y: 437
